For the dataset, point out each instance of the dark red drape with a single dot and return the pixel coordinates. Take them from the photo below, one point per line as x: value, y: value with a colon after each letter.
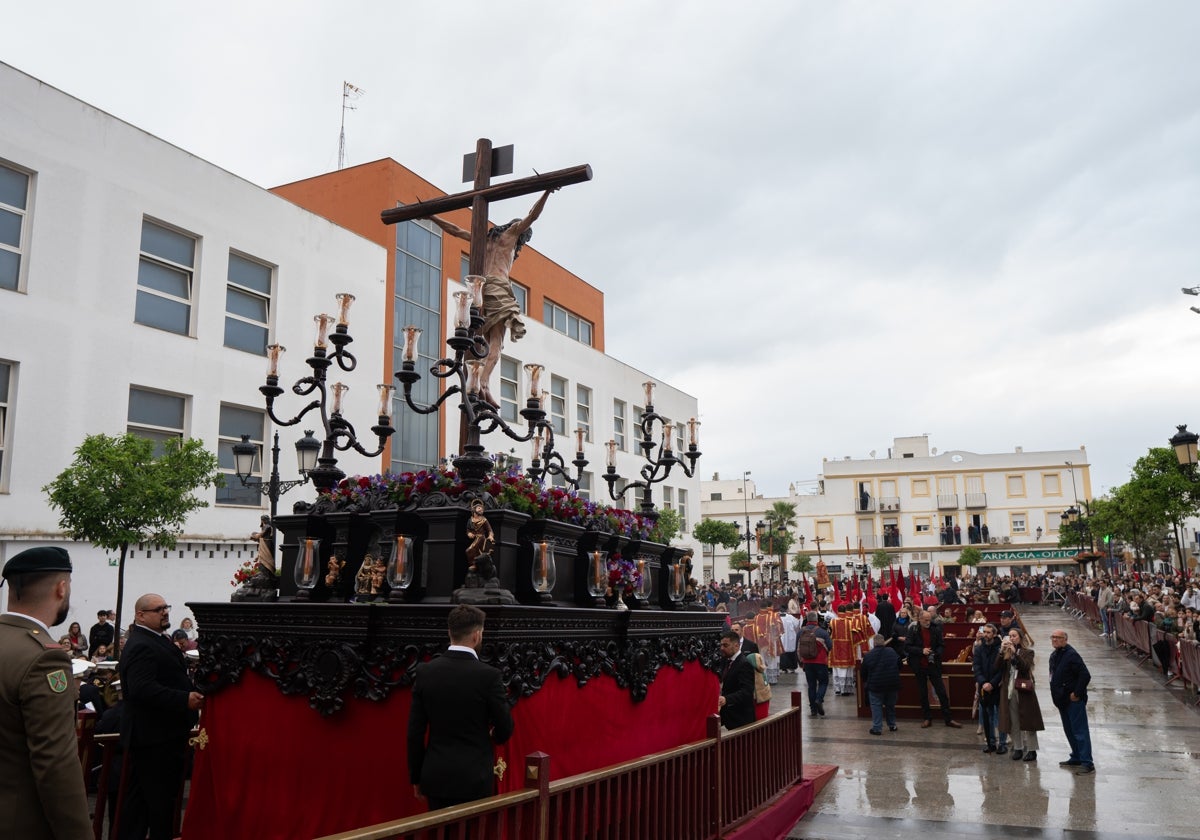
x: 274, y: 768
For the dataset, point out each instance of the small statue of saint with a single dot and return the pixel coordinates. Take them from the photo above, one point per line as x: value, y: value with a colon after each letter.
x: 335, y: 570
x: 480, y: 546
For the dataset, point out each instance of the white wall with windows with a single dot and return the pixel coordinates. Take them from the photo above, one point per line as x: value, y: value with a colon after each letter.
x: 138, y: 288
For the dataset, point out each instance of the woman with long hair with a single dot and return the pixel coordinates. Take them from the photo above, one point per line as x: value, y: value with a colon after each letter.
x: 1020, y: 712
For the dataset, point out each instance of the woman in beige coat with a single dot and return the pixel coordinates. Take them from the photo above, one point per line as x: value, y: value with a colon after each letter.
x: 1020, y: 713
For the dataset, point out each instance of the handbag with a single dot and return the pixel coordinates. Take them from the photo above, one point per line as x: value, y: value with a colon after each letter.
x: 1024, y: 684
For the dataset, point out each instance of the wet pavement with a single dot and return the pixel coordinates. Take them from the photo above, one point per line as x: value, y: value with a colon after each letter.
x: 936, y: 782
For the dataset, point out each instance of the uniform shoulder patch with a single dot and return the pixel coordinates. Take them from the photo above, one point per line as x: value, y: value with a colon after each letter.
x: 58, y: 681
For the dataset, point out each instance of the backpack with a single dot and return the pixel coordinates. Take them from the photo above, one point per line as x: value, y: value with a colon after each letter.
x: 807, y: 644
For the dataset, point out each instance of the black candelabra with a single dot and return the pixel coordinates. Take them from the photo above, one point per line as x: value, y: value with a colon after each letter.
x: 658, y: 465
x: 469, y: 348
x: 339, y: 433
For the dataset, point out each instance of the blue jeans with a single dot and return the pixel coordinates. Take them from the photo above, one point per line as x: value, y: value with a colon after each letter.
x: 989, y: 719
x: 818, y: 681
x: 882, y: 701
x: 1075, y: 724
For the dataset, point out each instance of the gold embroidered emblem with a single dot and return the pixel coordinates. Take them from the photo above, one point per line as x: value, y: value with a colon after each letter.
x: 58, y: 681
x: 500, y: 768
x: 200, y: 741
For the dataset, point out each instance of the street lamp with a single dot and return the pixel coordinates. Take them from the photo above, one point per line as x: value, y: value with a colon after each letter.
x: 245, y: 453
x: 1184, y: 444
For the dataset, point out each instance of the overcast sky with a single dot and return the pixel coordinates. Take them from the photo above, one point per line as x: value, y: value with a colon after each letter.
x: 833, y: 223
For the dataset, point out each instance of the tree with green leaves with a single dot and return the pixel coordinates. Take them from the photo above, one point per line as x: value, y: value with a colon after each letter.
x: 802, y: 563
x: 666, y: 528
x: 716, y: 532
x: 779, y: 519
x: 970, y: 557
x: 740, y: 561
x: 119, y: 492
x: 881, y: 559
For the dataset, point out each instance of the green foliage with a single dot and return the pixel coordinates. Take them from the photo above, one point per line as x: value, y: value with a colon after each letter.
x: 802, y: 563
x: 740, y: 561
x: 970, y: 557
x: 881, y: 559
x: 117, y: 493
x: 667, y: 526
x: 714, y: 532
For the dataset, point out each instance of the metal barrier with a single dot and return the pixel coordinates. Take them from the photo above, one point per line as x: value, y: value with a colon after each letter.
x: 698, y: 791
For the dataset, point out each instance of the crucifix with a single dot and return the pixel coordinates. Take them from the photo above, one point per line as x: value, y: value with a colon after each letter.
x: 492, y: 251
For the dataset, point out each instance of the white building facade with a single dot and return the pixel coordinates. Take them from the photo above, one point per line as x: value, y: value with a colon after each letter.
x: 923, y: 507
x: 139, y: 286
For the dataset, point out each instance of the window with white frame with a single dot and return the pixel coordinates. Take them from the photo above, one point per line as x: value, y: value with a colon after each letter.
x: 14, y: 205
x: 234, y: 422
x: 583, y: 411
x: 166, y: 270
x: 1017, y: 523
x: 585, y: 485
x: 1015, y: 485
x: 619, y: 424
x: 6, y: 398
x: 668, y: 495
x: 566, y: 322
x: 558, y: 405
x: 510, y: 385
x: 1051, y: 484
x: 156, y: 415
x: 679, y: 429
x: 683, y: 510
x: 248, y: 305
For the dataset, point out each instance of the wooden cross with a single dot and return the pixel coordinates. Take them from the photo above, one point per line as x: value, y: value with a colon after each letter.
x: 483, y: 193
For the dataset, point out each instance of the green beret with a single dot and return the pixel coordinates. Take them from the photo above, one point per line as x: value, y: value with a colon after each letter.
x: 45, y: 558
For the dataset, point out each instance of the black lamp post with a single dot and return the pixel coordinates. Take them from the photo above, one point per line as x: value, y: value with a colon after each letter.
x: 245, y: 453
x: 1184, y: 444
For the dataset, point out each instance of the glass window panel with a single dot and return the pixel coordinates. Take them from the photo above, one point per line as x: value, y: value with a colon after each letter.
x: 585, y: 333
x: 464, y: 266
x: 10, y: 228
x: 159, y: 437
x: 153, y: 275
x: 560, y: 319
x: 522, y: 296
x: 250, y: 338
x: 252, y: 275
x: 10, y: 268
x: 547, y: 313
x: 233, y: 493
x: 168, y: 244
x: 245, y: 304
x: 4, y: 374
x: 236, y: 422
x: 155, y: 311
x: 14, y: 187
x: 155, y: 409
x: 572, y: 327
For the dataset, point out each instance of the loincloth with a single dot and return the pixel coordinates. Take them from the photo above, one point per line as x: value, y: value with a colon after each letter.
x: 500, y: 307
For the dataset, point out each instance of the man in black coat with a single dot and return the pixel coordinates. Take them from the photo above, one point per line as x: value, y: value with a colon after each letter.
x: 886, y: 613
x: 101, y: 633
x: 161, y: 706
x: 881, y: 676
x: 462, y: 704
x: 1069, y: 679
x: 924, y: 652
x: 736, y: 704
x: 989, y: 668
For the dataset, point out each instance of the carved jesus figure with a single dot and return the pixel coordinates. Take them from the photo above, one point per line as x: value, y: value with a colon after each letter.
x: 500, y: 308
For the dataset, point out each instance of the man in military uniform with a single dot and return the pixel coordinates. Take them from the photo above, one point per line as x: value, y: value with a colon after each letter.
x: 42, y: 795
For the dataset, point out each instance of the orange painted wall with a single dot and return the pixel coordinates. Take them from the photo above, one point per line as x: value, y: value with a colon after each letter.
x: 354, y: 197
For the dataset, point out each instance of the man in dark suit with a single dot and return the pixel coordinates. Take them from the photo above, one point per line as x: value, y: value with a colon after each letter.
x: 462, y: 703
x: 101, y: 633
x: 42, y: 795
x: 924, y: 652
x: 736, y: 704
x: 744, y: 645
x: 161, y: 706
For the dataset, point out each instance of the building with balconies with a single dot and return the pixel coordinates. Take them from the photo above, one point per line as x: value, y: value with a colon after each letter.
x: 922, y: 507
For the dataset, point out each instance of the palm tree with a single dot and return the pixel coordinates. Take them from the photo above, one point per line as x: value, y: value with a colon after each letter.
x: 780, y: 518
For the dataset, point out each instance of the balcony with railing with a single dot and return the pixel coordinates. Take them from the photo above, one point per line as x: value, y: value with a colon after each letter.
x: 947, y: 501
x: 864, y: 503
x: 869, y: 540
x: 976, y: 500
x: 889, y: 504
x: 891, y: 537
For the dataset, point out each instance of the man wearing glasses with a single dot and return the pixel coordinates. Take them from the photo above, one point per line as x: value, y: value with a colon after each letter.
x: 161, y: 708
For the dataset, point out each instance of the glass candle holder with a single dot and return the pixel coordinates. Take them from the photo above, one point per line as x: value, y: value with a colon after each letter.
x: 344, y: 300
x: 462, y: 310
x: 308, y: 564
x: 400, y: 565
x: 274, y: 351
x: 323, y: 322
x: 412, y: 337
x: 597, y: 573
x: 474, y: 284
x: 543, y: 572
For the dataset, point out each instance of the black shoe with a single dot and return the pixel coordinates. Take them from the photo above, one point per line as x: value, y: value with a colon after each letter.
x: 1085, y: 770
x: 1069, y: 763
x: 891, y: 729
x: 821, y: 709
x: 813, y: 713
x: 1030, y: 756
x: 990, y: 748
x: 1001, y: 750
x: 954, y: 724
x: 875, y: 732
x: 1016, y: 756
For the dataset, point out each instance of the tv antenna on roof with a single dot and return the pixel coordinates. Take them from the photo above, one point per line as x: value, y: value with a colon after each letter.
x: 349, y: 92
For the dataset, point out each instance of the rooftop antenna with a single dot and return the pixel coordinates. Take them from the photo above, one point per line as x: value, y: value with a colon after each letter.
x: 349, y: 92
